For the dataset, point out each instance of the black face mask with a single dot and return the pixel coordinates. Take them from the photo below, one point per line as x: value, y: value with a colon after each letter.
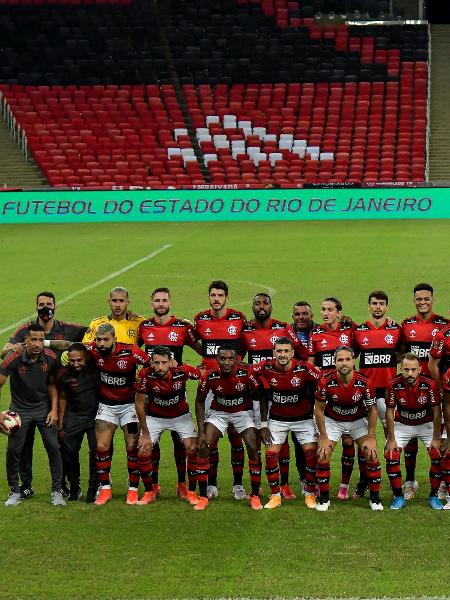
x: 46, y: 313
x: 104, y: 351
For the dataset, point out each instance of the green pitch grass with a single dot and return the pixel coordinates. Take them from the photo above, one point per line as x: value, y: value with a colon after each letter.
x: 166, y: 550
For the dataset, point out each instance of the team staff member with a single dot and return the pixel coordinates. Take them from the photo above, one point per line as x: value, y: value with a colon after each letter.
x: 232, y: 387
x: 78, y: 403
x: 285, y: 381
x: 58, y: 336
x: 213, y: 327
x: 416, y: 337
x: 413, y: 410
x: 161, y: 405
x: 257, y: 340
x: 116, y: 364
x: 125, y: 323
x: 345, y: 403
x: 167, y: 330
x: 35, y: 398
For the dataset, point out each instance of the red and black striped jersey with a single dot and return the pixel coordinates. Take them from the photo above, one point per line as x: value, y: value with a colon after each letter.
x: 117, y: 372
x: 417, y: 335
x: 323, y: 341
x: 213, y: 332
x: 413, y: 405
x: 232, y: 392
x: 440, y: 348
x: 175, y: 334
x: 258, y: 341
x: 166, y: 396
x: 292, y: 399
x: 345, y: 402
x: 378, y: 348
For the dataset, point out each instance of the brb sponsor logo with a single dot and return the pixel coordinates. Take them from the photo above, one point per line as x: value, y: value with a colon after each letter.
x: 420, y: 352
x: 376, y: 359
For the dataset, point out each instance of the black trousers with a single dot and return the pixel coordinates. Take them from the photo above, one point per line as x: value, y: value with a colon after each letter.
x: 16, y: 441
x: 75, y: 428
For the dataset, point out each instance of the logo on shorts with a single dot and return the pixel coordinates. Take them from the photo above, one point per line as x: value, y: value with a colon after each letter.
x: 232, y: 330
x: 422, y: 399
x: 295, y: 381
x: 239, y: 387
x: 389, y: 339
x: 344, y: 339
x: 122, y: 364
x: 357, y: 397
x: 173, y: 336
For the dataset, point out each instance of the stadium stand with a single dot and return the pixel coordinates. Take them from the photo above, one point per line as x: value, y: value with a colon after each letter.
x: 240, y: 92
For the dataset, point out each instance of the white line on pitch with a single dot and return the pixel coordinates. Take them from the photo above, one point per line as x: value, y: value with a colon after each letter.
x: 92, y: 285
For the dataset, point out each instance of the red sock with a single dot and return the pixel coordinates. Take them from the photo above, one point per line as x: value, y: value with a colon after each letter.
x: 145, y: 470
x: 103, y: 463
x: 347, y: 462
x: 284, y: 460
x: 394, y: 472
x: 273, y: 471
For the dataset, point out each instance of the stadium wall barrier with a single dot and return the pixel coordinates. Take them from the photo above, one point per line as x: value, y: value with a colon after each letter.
x: 73, y: 206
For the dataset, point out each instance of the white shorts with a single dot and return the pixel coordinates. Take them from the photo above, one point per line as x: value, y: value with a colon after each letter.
x: 242, y: 420
x: 305, y: 431
x: 208, y: 401
x: 257, y: 414
x: 183, y: 425
x: 120, y: 415
x: 404, y: 433
x: 335, y: 429
x: 381, y: 407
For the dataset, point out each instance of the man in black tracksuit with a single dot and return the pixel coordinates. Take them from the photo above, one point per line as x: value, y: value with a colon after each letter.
x: 78, y: 401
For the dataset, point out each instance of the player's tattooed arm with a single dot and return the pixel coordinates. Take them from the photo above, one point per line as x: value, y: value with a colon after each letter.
x: 60, y: 344
x: 8, y: 347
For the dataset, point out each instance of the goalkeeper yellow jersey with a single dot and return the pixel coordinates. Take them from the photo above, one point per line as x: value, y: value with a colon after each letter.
x: 126, y: 329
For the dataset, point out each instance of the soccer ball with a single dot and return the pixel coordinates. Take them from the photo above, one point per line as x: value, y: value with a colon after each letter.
x: 12, y: 422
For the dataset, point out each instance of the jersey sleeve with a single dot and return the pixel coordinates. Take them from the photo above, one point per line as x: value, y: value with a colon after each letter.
x: 369, y: 396
x: 141, y: 357
x: 390, y: 396
x: 19, y: 335
x: 435, y: 394
x: 311, y: 347
x: 191, y: 372
x: 313, y: 374
x: 91, y: 331
x: 8, y: 365
x: 437, y: 346
x: 204, y: 386
x: 321, y: 391
x: 140, y: 385
x: 74, y: 332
